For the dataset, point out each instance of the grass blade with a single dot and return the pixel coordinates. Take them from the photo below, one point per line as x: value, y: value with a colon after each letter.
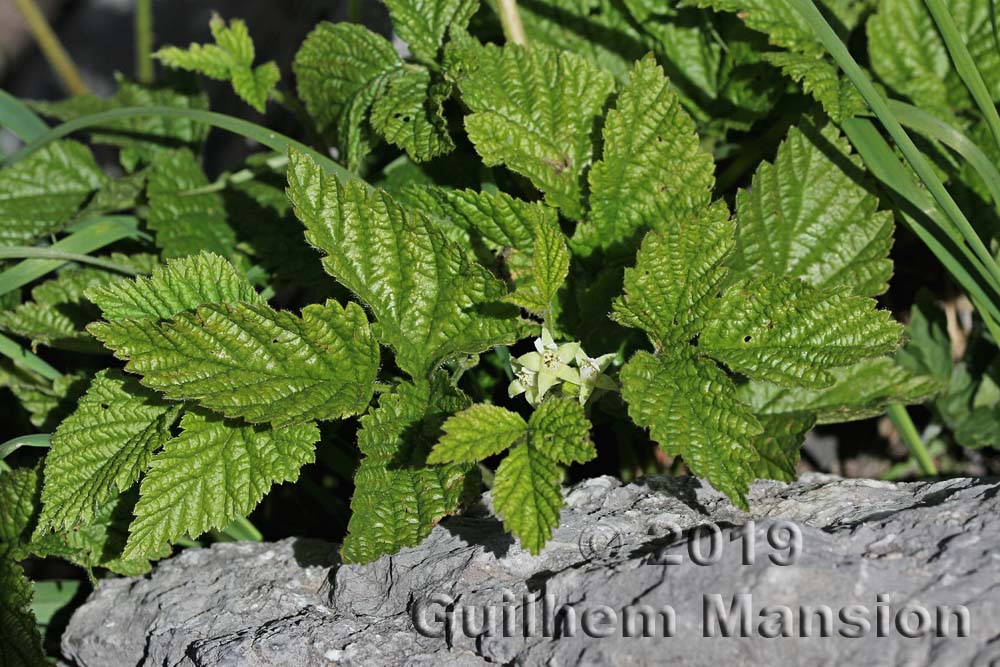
x: 22, y: 252
x: 27, y: 360
x: 19, y: 119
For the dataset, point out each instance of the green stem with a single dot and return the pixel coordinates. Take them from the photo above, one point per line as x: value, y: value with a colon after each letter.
x: 42, y: 441
x: 242, y: 176
x: 91, y: 236
x: 25, y: 359
x: 510, y: 20
x: 144, y: 41
x: 273, y: 140
x: 908, y: 432
x: 23, y: 252
x: 965, y: 65
x: 878, y: 104
x: 51, y: 47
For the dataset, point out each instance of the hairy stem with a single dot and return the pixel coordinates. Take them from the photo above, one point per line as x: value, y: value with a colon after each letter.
x: 510, y: 19
x: 144, y: 41
x: 51, y: 47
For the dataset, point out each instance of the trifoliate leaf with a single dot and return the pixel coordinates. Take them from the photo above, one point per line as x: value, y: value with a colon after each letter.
x: 409, y: 114
x: 248, y: 360
x: 678, y: 272
x: 186, y: 224
x: 805, y: 216
x: 909, y: 55
x: 598, y: 30
x: 779, y: 445
x: 182, y: 284
x: 19, y: 489
x: 560, y: 430
x: 478, y: 433
x: 424, y: 24
x: 20, y: 641
x: 215, y: 471
x: 229, y: 59
x: 398, y: 498
x: 430, y: 301
x: 143, y: 137
x: 859, y: 391
x: 101, y: 449
x: 535, y: 111
x: 42, y: 192
x: 550, y: 260
x: 341, y: 69
x: 526, y: 493
x: 653, y: 170
x: 785, y: 331
x: 691, y: 408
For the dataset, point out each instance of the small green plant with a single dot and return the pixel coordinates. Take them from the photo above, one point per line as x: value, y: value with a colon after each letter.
x: 521, y: 259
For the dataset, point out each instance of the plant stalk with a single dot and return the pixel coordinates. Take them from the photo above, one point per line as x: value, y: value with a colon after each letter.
x: 144, y: 41
x: 908, y: 432
x: 51, y: 47
x: 42, y: 441
x: 30, y: 252
x: 27, y: 360
x: 510, y: 19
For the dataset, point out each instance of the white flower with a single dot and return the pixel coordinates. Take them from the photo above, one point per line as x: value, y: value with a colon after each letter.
x: 537, y: 372
x: 592, y: 375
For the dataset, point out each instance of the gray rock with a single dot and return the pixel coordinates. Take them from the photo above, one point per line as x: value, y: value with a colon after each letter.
x: 873, y: 559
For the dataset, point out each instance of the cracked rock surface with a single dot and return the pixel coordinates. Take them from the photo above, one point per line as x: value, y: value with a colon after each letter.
x: 854, y: 559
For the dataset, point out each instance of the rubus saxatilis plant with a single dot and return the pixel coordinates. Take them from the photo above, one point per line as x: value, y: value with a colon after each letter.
x: 519, y: 259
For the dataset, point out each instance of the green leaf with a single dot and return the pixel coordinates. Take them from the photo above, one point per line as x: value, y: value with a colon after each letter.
x: 19, y: 491
x: 341, y: 69
x: 20, y: 641
x: 598, y: 30
x: 678, y: 272
x: 779, y: 445
x: 101, y: 450
x: 478, y: 433
x: 186, y: 224
x: 819, y: 78
x: 560, y: 430
x: 229, y: 59
x: 215, y: 471
x: 140, y: 138
x: 539, y: 122
x: 859, y: 391
x: 424, y: 24
x: 430, y: 301
x: 409, y: 114
x: 42, y: 192
x: 653, y: 171
x: 691, y: 409
x: 909, y: 55
x: 398, y: 498
x: 806, y: 216
x: 526, y: 493
x: 182, y: 284
x: 549, y: 267
x: 928, y: 346
x: 785, y: 331
x: 248, y: 360
x: 47, y: 402
x: 980, y: 428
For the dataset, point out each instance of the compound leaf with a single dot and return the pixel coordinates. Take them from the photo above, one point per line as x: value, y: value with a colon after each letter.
x: 526, y: 493
x: 478, y: 433
x: 678, y: 272
x: 805, y: 216
x: 424, y: 24
x: 398, y: 498
x: 229, y: 59
x: 550, y: 261
x: 182, y: 284
x: 101, y: 449
x: 248, y: 360
x: 779, y: 445
x: 430, y: 301
x: 653, y: 170
x: 691, y: 409
x: 409, y: 114
x: 785, y: 331
x: 560, y: 430
x: 540, y: 121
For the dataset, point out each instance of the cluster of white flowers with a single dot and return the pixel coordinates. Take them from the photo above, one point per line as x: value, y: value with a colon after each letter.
x: 535, y: 373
